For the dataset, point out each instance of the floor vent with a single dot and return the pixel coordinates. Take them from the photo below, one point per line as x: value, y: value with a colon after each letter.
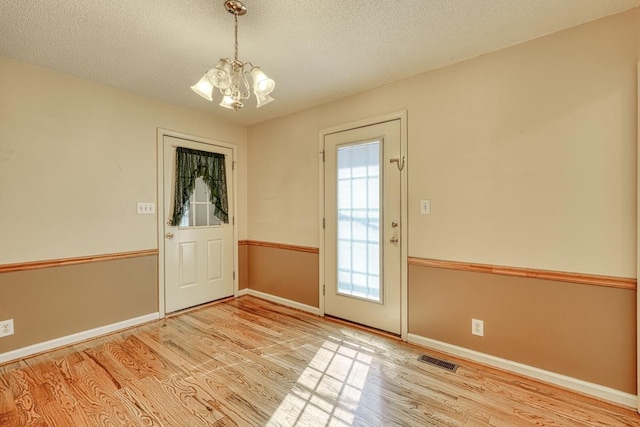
x: 438, y: 362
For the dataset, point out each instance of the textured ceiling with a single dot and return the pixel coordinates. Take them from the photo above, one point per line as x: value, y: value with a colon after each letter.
x: 316, y: 51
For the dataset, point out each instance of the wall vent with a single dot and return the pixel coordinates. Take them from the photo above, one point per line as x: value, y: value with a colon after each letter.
x: 438, y: 362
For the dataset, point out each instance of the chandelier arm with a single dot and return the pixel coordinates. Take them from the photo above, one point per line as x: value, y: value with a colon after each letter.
x: 246, y: 93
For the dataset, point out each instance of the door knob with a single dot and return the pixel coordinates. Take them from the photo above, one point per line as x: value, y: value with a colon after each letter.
x: 169, y: 235
x: 394, y: 240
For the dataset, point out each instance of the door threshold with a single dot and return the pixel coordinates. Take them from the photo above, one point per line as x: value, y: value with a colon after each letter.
x: 199, y: 306
x: 363, y: 327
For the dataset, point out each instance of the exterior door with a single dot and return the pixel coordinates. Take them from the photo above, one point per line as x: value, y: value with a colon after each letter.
x: 198, y: 261
x: 362, y: 225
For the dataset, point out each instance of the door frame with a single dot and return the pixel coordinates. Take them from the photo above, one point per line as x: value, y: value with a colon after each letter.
x: 638, y: 245
x: 160, y: 207
x: 404, y: 217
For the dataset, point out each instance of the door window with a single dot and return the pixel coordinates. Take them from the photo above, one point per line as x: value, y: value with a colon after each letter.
x: 201, y: 212
x: 358, y: 197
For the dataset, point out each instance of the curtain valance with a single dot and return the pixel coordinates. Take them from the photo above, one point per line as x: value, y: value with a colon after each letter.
x: 191, y: 165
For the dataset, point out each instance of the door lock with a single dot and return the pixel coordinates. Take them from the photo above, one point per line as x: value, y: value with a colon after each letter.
x: 169, y: 235
x: 394, y: 240
x: 394, y: 224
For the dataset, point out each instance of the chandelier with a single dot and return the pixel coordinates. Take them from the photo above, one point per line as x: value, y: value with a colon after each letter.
x: 232, y: 76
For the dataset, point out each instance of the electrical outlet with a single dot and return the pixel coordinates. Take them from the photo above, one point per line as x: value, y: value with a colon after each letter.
x: 477, y: 327
x: 6, y: 328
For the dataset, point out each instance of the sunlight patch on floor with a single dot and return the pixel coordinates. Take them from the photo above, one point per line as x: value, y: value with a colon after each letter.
x: 330, y: 388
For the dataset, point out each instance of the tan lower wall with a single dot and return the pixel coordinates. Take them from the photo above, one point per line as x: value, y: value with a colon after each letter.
x: 55, y: 302
x: 243, y: 266
x: 285, y: 273
x: 582, y: 331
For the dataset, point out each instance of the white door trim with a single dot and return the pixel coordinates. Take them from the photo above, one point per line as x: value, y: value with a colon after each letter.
x: 402, y: 116
x: 638, y: 246
x: 160, y: 206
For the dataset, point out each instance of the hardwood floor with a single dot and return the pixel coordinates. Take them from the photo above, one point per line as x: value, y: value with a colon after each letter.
x: 248, y: 362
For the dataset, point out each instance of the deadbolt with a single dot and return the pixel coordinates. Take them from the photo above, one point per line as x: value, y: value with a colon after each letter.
x: 394, y: 224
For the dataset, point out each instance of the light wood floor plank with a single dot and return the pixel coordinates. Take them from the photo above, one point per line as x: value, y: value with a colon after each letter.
x: 248, y: 362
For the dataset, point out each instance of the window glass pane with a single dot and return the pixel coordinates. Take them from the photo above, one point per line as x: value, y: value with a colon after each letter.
x: 213, y: 219
x: 344, y: 227
x: 359, y: 193
x: 344, y: 281
x: 201, y: 214
x: 344, y: 194
x: 359, y: 256
x: 344, y: 248
x: 358, y: 199
x: 186, y: 221
x: 373, y: 193
x: 360, y: 225
x: 202, y: 191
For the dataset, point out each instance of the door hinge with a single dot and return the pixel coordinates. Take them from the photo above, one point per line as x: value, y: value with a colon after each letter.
x: 233, y: 166
x: 233, y: 220
x: 323, y: 223
x: 322, y: 155
x: 323, y: 286
x: 234, y: 275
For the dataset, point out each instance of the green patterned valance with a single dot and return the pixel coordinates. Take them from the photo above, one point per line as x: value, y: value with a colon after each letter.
x: 194, y: 164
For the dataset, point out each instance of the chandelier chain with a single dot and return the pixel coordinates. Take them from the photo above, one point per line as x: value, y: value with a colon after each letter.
x: 235, y: 15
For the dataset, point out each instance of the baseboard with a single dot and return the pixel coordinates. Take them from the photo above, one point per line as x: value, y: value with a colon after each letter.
x: 596, y: 390
x: 242, y: 292
x: 75, y: 338
x: 283, y: 301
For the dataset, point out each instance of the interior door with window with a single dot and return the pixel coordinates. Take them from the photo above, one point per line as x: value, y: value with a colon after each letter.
x: 199, y: 248
x: 362, y: 225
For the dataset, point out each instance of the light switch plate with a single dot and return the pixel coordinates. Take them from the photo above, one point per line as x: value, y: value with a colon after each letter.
x: 145, y: 208
x: 425, y: 207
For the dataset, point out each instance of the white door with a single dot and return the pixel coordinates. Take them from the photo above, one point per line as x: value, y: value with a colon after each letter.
x: 198, y: 261
x: 362, y: 225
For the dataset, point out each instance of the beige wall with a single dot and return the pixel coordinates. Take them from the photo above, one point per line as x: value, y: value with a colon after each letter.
x: 76, y: 157
x: 528, y: 156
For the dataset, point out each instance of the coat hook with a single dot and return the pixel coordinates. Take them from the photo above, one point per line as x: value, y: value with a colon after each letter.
x: 398, y: 163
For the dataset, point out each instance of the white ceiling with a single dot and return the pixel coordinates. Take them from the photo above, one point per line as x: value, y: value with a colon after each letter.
x: 316, y: 51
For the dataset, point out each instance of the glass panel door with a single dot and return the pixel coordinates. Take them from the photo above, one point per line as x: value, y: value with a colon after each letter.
x: 359, y: 253
x: 362, y: 211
